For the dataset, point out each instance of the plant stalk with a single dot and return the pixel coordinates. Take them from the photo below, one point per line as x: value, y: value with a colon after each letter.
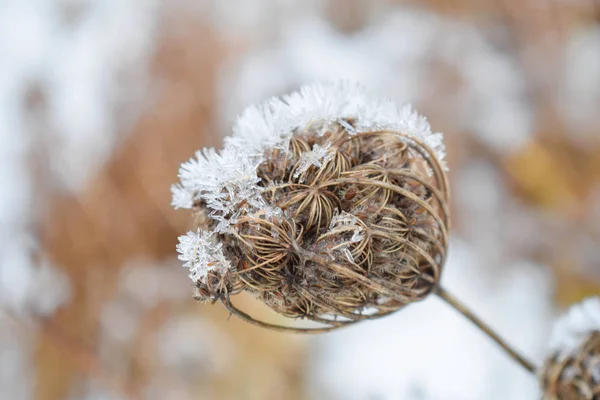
x: 461, y: 308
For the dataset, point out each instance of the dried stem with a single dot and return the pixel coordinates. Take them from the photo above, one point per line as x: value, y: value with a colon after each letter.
x: 461, y: 308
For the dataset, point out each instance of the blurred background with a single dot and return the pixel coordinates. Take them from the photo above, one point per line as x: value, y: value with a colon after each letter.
x: 100, y: 101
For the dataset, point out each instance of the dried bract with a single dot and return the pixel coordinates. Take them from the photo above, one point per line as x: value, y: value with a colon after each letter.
x: 326, y: 204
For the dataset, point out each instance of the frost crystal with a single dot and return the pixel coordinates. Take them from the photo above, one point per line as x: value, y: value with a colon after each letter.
x: 317, y: 157
x: 575, y: 326
x: 357, y: 236
x: 344, y: 219
x: 271, y: 124
x: 349, y: 222
x: 348, y: 254
x: 200, y: 254
x: 222, y: 179
x: 182, y: 197
x: 227, y: 178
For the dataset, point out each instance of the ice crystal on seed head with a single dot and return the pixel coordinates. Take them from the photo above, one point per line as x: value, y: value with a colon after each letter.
x: 357, y: 236
x: 223, y: 179
x: 579, y: 322
x: 346, y: 222
x: 182, y: 197
x: 227, y: 178
x: 200, y: 254
x: 345, y: 219
x: 318, y: 156
x: 272, y: 123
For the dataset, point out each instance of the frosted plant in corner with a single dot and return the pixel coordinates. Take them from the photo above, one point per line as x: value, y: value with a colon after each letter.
x: 328, y: 204
x: 572, y: 370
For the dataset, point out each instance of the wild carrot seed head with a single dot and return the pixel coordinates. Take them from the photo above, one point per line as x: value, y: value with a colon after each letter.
x: 327, y: 204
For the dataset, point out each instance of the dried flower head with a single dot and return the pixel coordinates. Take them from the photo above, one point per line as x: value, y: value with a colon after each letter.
x: 572, y: 372
x: 327, y: 204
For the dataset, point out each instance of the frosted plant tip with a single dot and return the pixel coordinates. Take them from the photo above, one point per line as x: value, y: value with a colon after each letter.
x: 322, y: 203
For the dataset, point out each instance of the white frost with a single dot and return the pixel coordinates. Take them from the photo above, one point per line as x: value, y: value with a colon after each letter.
x: 223, y: 179
x: 571, y: 329
x: 348, y: 221
x: 200, y: 254
x: 182, y: 197
x: 272, y: 123
x: 318, y: 156
x: 226, y: 178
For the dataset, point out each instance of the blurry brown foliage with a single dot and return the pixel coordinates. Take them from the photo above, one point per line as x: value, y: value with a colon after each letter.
x: 124, y: 212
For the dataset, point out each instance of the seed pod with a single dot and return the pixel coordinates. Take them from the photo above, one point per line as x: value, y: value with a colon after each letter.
x: 328, y: 205
x: 572, y: 371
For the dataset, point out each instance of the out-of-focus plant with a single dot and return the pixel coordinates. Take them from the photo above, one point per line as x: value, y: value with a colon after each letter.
x: 572, y: 371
